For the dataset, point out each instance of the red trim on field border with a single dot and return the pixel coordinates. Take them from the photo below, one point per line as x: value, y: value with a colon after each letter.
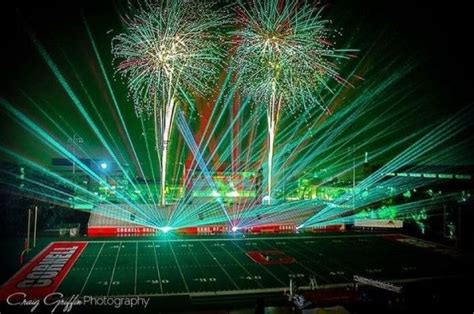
x: 108, y: 231
x: 10, y: 286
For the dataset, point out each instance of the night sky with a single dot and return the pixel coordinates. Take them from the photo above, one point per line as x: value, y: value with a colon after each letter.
x: 439, y: 31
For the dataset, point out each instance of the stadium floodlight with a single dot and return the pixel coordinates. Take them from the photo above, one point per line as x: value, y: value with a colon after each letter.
x: 235, y: 228
x: 103, y: 165
x: 165, y: 229
x: 266, y: 200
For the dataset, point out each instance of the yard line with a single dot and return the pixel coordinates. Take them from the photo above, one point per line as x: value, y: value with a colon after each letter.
x: 179, y: 268
x: 92, y: 268
x: 267, y: 270
x: 209, y: 284
x: 136, y: 270
x: 113, y: 270
x: 217, y: 262
x: 157, y: 268
x: 354, y: 271
x: 300, y: 263
x: 242, y: 266
x: 335, y: 262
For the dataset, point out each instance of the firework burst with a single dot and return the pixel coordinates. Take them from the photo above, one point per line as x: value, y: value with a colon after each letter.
x: 285, y: 58
x: 168, y: 47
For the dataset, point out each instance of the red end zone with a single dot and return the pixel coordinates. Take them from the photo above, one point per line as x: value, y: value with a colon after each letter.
x: 45, y: 272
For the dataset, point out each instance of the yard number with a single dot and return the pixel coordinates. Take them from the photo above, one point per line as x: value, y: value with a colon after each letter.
x: 211, y: 279
x: 252, y: 277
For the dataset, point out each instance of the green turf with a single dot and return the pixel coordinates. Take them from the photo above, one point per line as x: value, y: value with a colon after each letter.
x: 199, y: 266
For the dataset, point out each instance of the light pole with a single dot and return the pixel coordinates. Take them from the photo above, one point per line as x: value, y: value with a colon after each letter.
x: 28, y: 230
x: 34, y: 226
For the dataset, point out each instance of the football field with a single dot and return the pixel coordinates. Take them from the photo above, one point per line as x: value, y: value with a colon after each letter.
x: 242, y: 265
x: 225, y: 266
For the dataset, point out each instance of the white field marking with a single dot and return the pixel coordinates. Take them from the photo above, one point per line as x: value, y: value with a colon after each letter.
x: 241, y: 266
x: 256, y: 277
x: 298, y: 275
x: 373, y: 270
x: 201, y: 279
x: 92, y: 268
x: 136, y: 270
x: 179, y: 268
x: 217, y: 244
x: 113, y: 269
x: 157, y: 268
x: 431, y: 242
x: 311, y: 271
x: 248, y: 239
x: 298, y: 252
x: 261, y: 266
x: 217, y: 262
x: 346, y: 266
x: 409, y: 268
x: 453, y: 252
x: 335, y: 262
x: 284, y: 266
x: 150, y: 245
